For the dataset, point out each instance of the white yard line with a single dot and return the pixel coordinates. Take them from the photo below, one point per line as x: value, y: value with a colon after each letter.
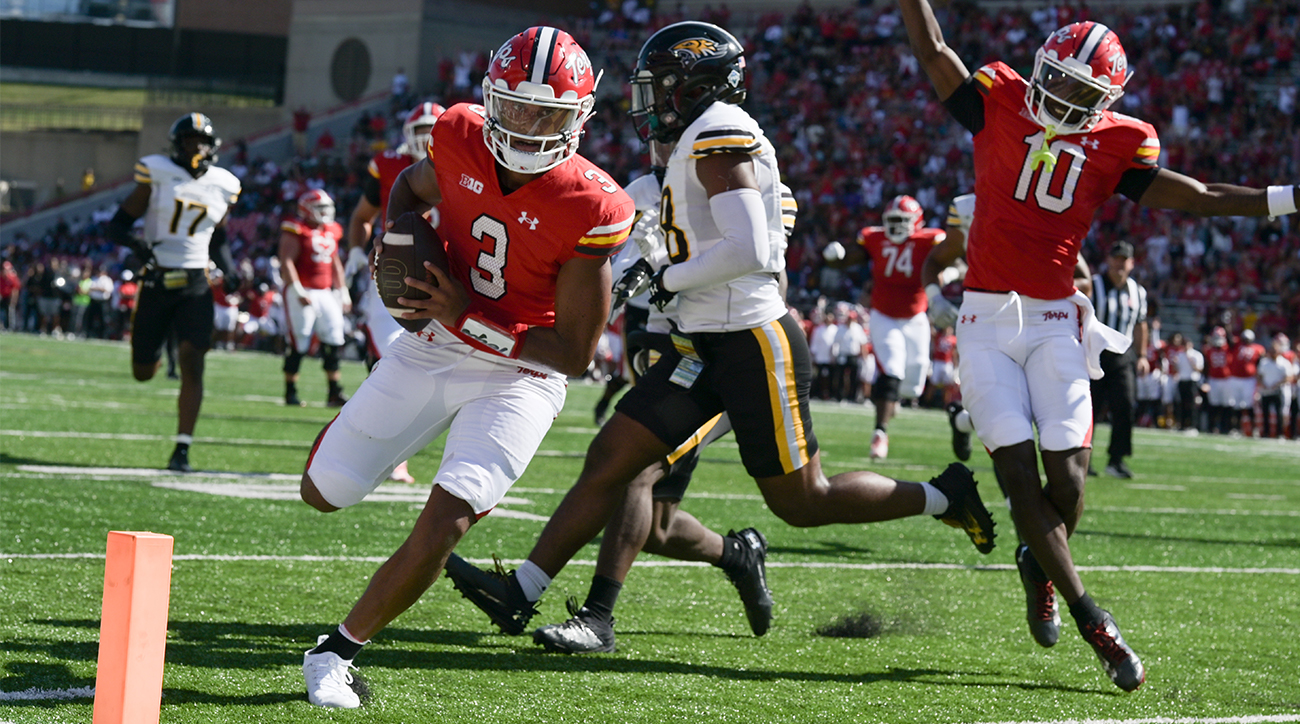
x: 1258, y: 719
x: 689, y: 564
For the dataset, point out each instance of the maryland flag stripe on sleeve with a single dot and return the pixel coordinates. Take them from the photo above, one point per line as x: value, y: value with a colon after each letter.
x: 373, y: 168
x: 606, y: 240
x: 954, y: 218
x: 725, y: 140
x: 142, y: 175
x: 1148, y: 153
x: 985, y: 77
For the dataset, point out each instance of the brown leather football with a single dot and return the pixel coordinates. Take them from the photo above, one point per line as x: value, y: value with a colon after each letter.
x: 406, y: 246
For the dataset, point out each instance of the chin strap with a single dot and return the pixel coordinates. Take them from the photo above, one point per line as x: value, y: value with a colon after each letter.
x: 1044, y: 155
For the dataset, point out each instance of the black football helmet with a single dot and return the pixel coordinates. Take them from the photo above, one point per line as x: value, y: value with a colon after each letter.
x: 680, y: 71
x: 192, y: 125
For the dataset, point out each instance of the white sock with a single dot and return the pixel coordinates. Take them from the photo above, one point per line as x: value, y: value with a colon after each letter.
x: 348, y: 635
x: 533, y: 580
x: 184, y: 439
x: 962, y: 421
x: 935, y: 501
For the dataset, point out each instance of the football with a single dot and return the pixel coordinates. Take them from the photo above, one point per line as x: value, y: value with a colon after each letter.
x: 411, y: 242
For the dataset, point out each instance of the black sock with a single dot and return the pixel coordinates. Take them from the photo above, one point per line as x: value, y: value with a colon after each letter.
x: 182, y: 447
x: 335, y: 388
x: 1035, y: 571
x: 290, y: 388
x: 346, y: 648
x: 602, y: 597
x: 1085, y: 611
x: 733, y: 553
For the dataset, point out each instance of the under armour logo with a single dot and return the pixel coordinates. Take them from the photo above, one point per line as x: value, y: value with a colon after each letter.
x: 967, y: 318
x: 523, y: 219
x: 1092, y: 143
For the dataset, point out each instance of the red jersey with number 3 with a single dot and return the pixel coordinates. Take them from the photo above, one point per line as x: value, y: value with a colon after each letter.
x: 1031, y: 220
x: 507, y: 249
x: 896, y: 270
x: 385, y: 168
x: 316, y: 249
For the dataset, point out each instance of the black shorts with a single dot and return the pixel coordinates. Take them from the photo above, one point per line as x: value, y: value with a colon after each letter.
x: 171, y: 300
x: 682, y: 461
x: 761, y: 377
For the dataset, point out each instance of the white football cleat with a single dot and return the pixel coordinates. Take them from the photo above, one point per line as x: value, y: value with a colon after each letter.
x: 401, y: 474
x: 879, y: 445
x: 329, y: 683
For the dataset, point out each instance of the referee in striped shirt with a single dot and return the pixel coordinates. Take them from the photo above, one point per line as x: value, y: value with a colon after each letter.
x: 1121, y: 304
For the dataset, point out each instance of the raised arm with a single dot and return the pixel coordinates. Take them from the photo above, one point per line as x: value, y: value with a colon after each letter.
x: 939, y: 61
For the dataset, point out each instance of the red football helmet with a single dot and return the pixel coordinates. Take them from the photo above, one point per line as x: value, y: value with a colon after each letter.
x: 902, y: 218
x: 419, y: 127
x: 1078, y: 73
x: 538, y: 92
x: 316, y: 208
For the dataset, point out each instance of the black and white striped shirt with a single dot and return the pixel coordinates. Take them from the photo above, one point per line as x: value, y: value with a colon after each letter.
x: 1120, y: 308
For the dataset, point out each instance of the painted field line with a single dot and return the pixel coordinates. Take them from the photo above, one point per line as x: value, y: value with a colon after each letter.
x: 37, y: 694
x: 1256, y: 719
x: 691, y: 564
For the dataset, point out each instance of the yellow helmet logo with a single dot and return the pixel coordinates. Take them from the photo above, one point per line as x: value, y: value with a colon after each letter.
x: 695, y: 47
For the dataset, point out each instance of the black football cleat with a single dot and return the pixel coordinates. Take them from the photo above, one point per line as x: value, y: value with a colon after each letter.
x: 960, y: 440
x: 584, y: 633
x: 1117, y: 658
x: 1043, y: 613
x: 496, y: 593
x: 965, y: 509
x: 291, y: 399
x: 180, y: 462
x: 602, y: 407
x: 750, y: 579
x: 336, y: 400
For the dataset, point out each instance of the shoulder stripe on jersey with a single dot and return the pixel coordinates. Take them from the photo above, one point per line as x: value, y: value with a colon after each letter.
x: 985, y: 76
x: 373, y: 168
x: 602, y: 241
x: 544, y: 44
x: 792, y: 441
x: 729, y: 144
x: 789, y: 209
x: 724, y: 132
x: 142, y: 173
x: 1149, y: 152
x: 291, y: 226
x: 953, y: 217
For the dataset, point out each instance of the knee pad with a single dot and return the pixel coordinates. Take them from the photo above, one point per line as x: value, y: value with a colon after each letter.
x: 292, y: 362
x: 329, y: 355
x: 886, y: 389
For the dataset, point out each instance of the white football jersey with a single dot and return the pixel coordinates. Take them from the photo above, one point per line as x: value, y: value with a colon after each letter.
x: 689, y: 229
x: 183, y: 210
x: 644, y: 191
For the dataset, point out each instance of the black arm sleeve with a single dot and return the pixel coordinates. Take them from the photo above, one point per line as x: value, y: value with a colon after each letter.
x: 219, y: 251
x: 370, y: 189
x: 966, y: 104
x: 119, y: 232
x: 1135, y: 182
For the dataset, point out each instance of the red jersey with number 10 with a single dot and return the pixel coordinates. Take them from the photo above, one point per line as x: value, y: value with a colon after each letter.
x: 896, y: 270
x: 507, y: 249
x: 1030, y: 220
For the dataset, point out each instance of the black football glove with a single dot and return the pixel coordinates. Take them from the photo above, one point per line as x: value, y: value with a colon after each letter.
x: 659, y: 296
x: 230, y: 283
x: 634, y: 281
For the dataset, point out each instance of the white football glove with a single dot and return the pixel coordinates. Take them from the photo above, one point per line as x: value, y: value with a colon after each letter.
x: 941, y: 311
x: 356, y: 262
x: 649, y: 238
x: 834, y: 251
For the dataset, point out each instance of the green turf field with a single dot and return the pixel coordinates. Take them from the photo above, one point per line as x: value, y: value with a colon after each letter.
x: 1198, y: 558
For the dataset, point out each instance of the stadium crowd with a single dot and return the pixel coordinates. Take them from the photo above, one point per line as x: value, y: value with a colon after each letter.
x: 855, y: 122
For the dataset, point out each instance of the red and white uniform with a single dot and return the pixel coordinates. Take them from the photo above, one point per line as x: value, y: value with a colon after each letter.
x: 225, y: 310
x: 316, y: 308
x: 1218, y: 370
x: 943, y: 366
x: 1243, y: 364
x: 1151, y: 386
x: 1020, y: 325
x: 900, y: 331
x: 381, y: 328
x: 507, y: 250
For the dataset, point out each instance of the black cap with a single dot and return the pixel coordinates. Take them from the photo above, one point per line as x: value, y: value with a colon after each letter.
x: 1122, y: 248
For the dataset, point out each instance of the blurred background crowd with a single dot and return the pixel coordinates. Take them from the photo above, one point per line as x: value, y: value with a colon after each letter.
x: 855, y: 123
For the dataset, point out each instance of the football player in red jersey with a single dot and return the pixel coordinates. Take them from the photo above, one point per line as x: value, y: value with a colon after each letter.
x: 1218, y: 376
x: 315, y: 299
x: 1048, y: 153
x: 900, y: 331
x: 529, y: 226
x: 1244, y: 365
x: 380, y: 328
